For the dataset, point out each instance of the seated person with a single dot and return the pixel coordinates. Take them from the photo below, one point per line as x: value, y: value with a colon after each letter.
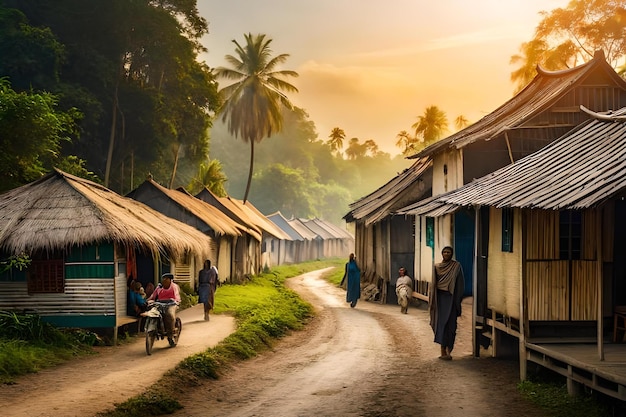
x: 136, y: 303
x: 168, y: 290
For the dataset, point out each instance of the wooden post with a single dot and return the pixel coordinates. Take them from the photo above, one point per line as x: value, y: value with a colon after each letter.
x: 475, y: 336
x: 524, y: 328
x: 599, y: 273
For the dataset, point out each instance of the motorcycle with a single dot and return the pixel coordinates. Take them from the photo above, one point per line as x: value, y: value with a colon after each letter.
x: 155, y: 325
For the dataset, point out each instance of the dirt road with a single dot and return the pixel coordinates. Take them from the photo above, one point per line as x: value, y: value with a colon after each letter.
x: 367, y: 361
x: 95, y: 383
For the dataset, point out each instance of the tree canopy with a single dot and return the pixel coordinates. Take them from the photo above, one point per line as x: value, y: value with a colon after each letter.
x: 130, y: 68
x: 566, y: 37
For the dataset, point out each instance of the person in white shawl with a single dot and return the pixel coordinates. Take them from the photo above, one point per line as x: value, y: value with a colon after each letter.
x: 404, y: 290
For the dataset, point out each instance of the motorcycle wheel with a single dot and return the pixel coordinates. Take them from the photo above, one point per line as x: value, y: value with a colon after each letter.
x: 150, y: 336
x: 178, y: 327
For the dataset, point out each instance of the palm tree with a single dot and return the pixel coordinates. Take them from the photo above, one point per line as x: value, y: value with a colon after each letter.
x: 406, y: 142
x: 432, y: 125
x: 254, y: 101
x: 371, y: 146
x: 460, y: 122
x: 355, y: 149
x: 335, y: 141
x: 210, y: 175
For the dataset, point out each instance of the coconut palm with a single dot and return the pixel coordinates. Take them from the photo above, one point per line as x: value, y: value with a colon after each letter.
x: 432, y: 125
x: 335, y: 141
x: 210, y: 175
x: 461, y: 122
x: 406, y: 142
x: 254, y: 102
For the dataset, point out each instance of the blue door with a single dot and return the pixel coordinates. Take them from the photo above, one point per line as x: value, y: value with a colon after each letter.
x: 464, y: 245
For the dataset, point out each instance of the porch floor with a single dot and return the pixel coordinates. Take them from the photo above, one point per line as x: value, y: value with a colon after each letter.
x: 580, y: 363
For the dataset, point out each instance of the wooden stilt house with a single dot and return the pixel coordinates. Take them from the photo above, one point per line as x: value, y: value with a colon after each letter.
x: 543, y: 111
x: 551, y: 232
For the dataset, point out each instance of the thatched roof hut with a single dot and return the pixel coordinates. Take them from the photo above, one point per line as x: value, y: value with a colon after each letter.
x: 61, y: 210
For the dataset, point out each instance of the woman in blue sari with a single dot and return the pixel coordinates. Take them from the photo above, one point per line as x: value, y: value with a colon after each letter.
x: 353, y: 277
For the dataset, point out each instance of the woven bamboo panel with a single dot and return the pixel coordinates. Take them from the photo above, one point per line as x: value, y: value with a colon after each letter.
x: 584, y: 290
x: 547, y: 290
x: 542, y: 234
x: 589, y: 234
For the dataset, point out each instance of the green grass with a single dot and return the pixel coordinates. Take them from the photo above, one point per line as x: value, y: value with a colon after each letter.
x: 27, y: 345
x: 264, y: 309
x: 553, y: 398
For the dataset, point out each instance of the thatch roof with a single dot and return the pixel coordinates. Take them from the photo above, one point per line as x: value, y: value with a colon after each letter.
x: 179, y: 204
x: 259, y: 219
x: 232, y: 210
x: 61, y: 210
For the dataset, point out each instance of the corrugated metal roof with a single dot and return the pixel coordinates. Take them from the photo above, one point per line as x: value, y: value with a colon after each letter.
x: 260, y: 219
x: 318, y: 229
x: 382, y: 202
x: 280, y: 221
x: 580, y: 170
x: 545, y: 89
x: 337, y: 232
x: 301, y: 228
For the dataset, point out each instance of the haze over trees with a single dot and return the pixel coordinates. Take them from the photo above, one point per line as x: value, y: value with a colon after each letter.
x: 567, y: 37
x: 114, y: 91
x: 298, y: 174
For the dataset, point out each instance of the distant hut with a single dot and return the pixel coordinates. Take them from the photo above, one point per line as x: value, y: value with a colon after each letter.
x: 182, y: 206
x: 83, y: 239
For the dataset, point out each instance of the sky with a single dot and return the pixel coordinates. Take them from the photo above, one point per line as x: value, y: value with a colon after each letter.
x: 371, y: 67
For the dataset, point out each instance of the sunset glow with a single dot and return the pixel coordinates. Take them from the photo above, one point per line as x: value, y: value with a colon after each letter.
x: 371, y: 69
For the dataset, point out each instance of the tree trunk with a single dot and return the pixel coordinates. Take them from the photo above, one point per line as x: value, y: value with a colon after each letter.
x: 245, y: 197
x: 176, y: 155
x: 107, y: 171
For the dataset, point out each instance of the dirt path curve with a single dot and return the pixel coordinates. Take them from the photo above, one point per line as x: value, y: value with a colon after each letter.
x: 368, y: 361
x: 88, y: 385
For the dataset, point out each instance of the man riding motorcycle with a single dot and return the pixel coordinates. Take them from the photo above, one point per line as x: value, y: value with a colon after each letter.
x: 168, y: 290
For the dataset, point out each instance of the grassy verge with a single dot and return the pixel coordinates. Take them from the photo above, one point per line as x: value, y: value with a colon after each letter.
x: 27, y: 345
x: 549, y: 391
x: 265, y: 311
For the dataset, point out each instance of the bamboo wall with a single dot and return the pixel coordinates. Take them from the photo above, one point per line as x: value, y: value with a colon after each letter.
x: 561, y: 290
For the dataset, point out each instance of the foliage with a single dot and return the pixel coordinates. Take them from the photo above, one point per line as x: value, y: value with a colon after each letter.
x: 188, y: 297
x: 253, y: 101
x: 555, y: 400
x: 431, y: 126
x: 331, y: 182
x: 144, y: 405
x: 131, y: 69
x: 211, y: 176
x: 32, y: 132
x: 28, y: 344
x: 566, y: 37
x: 15, y: 261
